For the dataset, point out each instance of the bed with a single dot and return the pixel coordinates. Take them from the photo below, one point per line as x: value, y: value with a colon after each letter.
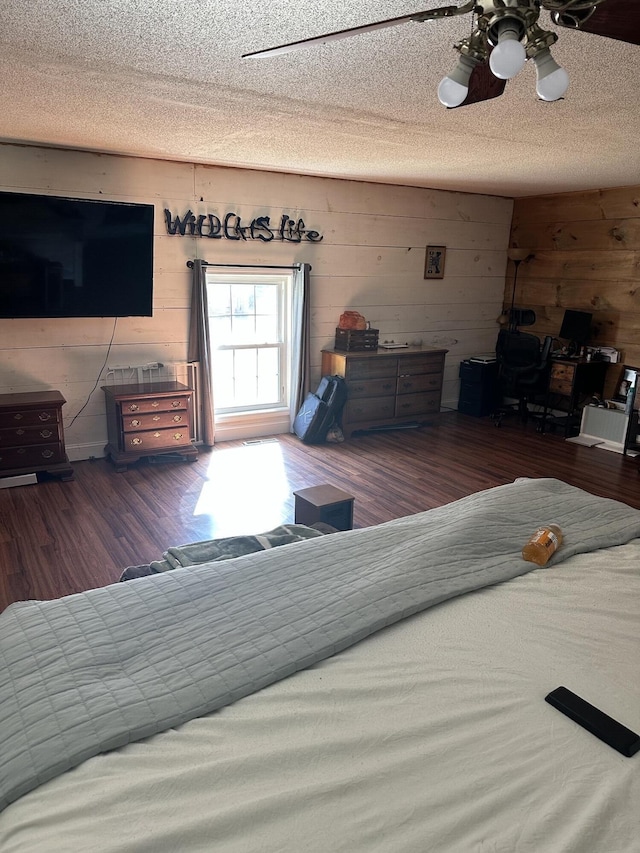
x: 413, y: 723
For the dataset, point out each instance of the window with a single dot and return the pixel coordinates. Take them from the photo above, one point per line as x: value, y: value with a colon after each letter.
x: 249, y: 327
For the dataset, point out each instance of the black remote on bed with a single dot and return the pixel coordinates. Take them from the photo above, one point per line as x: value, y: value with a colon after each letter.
x: 595, y: 721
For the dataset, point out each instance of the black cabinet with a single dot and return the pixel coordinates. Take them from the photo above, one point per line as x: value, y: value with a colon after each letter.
x: 478, y: 387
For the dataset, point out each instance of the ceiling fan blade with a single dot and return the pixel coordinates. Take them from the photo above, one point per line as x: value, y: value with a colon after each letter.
x: 483, y: 86
x: 430, y: 14
x: 614, y: 19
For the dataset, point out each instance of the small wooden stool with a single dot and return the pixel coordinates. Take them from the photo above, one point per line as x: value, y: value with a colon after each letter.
x: 324, y: 503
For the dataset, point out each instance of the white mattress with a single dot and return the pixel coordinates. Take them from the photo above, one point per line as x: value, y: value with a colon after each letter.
x: 431, y: 736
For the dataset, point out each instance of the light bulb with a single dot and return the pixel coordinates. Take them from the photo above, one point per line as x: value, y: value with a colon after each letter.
x: 454, y: 89
x: 553, y: 80
x: 509, y: 55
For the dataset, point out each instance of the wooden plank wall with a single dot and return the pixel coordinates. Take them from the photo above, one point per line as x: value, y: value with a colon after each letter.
x: 586, y: 249
x: 371, y: 259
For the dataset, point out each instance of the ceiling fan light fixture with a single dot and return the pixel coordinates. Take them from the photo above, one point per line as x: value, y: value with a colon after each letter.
x: 553, y: 81
x: 508, y: 56
x: 454, y: 88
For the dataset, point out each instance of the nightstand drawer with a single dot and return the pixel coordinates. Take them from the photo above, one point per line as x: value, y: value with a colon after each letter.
x: 154, y: 404
x: 28, y: 417
x: 152, y: 440
x: 30, y: 435
x: 35, y: 455
x: 157, y: 420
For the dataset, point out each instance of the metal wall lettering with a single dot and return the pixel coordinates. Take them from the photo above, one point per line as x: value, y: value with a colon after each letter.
x: 230, y: 227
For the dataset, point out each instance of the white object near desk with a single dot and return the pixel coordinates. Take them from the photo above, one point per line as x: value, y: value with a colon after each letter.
x: 603, y: 428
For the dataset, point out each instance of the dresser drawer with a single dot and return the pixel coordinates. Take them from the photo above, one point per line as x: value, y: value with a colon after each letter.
x: 371, y: 368
x: 28, y: 417
x: 372, y: 409
x: 372, y: 387
x: 561, y: 378
x: 35, y: 455
x: 154, y: 404
x: 417, y: 404
x: 421, y: 382
x: 20, y: 436
x: 157, y: 420
x: 423, y: 363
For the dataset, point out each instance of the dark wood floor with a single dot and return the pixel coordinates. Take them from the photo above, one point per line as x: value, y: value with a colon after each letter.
x: 57, y: 538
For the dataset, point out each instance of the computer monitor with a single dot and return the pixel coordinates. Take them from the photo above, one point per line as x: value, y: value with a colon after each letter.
x: 576, y: 329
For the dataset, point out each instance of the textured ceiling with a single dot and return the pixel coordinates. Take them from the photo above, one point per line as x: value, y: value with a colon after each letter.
x: 165, y: 78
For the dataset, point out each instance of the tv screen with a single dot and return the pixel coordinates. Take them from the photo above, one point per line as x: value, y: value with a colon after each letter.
x: 63, y: 257
x: 576, y: 326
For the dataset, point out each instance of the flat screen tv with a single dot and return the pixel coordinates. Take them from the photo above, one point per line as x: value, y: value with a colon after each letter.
x: 65, y: 257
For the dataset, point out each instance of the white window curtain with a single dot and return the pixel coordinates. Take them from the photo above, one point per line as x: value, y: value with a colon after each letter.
x: 300, y: 344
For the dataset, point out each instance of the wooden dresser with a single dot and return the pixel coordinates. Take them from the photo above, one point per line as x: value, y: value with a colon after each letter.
x: 148, y: 418
x: 32, y: 434
x: 387, y: 387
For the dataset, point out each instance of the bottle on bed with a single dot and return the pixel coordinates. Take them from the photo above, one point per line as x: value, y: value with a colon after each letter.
x: 543, y: 544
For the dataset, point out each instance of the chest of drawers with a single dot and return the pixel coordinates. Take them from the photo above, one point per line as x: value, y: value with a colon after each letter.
x: 387, y: 388
x: 32, y: 434
x: 145, y: 419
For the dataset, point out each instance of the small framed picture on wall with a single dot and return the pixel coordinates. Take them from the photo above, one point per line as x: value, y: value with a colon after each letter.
x: 434, y: 262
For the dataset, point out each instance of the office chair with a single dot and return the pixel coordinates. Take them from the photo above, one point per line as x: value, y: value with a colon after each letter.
x: 523, y: 371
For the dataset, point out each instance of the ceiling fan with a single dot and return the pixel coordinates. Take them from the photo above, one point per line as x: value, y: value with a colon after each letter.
x: 505, y: 34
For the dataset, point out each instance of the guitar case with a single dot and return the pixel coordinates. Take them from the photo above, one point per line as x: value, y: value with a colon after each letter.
x: 320, y: 410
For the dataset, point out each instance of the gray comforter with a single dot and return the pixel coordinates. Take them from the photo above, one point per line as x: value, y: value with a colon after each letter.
x: 94, y: 671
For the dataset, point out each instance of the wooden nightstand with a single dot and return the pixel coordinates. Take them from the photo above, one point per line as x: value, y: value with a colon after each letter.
x: 324, y: 503
x: 148, y: 418
x: 32, y: 434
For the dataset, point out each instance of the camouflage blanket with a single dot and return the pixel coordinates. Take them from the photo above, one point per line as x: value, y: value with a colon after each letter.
x: 214, y: 550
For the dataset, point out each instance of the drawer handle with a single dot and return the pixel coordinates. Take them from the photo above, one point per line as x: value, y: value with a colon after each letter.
x: 44, y: 416
x: 133, y: 407
x: 20, y: 432
x: 136, y: 441
x: 175, y: 404
x: 17, y: 417
x: 134, y: 422
x: 157, y: 434
x: 177, y: 418
x: 155, y: 418
x: 47, y: 454
x: 387, y: 386
x: 407, y: 384
x: 22, y: 450
x: 358, y: 388
x: 177, y: 436
x: 155, y: 404
x: 46, y: 433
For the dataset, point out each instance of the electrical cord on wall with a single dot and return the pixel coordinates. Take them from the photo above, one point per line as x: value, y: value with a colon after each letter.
x: 104, y: 364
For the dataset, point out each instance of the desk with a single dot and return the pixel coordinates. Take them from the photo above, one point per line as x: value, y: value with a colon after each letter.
x: 571, y: 382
